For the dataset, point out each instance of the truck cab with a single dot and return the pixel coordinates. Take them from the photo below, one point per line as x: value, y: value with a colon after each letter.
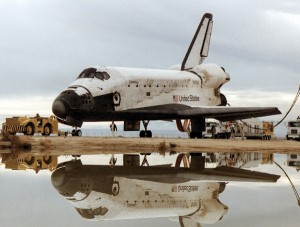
x: 293, y: 130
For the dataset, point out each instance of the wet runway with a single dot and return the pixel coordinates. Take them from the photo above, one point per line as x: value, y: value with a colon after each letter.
x: 167, y: 182
x: 106, y: 145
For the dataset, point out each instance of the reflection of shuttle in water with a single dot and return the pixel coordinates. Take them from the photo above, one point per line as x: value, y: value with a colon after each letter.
x: 132, y: 192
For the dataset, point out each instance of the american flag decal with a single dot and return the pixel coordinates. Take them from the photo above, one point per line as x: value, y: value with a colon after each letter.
x: 175, y: 98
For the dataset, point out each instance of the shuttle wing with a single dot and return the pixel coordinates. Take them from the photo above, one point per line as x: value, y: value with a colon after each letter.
x: 230, y: 113
x: 199, y: 46
x: 178, y: 111
x: 220, y: 174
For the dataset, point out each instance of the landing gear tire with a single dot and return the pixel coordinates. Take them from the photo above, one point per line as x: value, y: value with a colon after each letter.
x: 76, y: 132
x: 79, y: 133
x: 147, y: 133
x: 142, y: 133
x: 194, y: 135
x: 76, y: 155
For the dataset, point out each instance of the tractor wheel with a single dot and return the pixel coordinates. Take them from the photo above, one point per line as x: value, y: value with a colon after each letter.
x: 29, y: 130
x: 47, y: 159
x: 29, y: 160
x: 47, y: 130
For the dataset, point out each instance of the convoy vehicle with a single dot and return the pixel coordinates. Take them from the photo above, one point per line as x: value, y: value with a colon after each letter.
x: 216, y: 129
x: 293, y: 160
x: 251, y: 128
x: 293, y: 130
x: 256, y: 129
x: 31, y: 125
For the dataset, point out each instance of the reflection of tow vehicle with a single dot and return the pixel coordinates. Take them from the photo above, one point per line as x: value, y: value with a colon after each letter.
x: 31, y: 125
x: 25, y: 161
x: 293, y: 130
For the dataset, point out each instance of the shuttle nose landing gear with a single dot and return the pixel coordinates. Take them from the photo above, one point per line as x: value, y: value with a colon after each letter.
x: 145, y: 133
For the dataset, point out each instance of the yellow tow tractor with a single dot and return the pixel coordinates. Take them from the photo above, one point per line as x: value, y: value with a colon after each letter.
x: 31, y: 125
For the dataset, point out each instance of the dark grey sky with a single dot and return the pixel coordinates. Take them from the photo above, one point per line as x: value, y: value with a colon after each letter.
x: 45, y: 44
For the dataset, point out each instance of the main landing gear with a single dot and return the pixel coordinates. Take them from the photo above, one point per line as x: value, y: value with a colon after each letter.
x: 76, y: 132
x: 145, y: 133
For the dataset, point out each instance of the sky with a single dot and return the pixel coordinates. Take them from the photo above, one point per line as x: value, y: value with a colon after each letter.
x: 46, y: 44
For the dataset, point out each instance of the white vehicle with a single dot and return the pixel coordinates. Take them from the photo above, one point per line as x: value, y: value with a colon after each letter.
x: 187, y: 91
x: 188, y: 195
x: 210, y: 126
x: 293, y: 160
x: 217, y: 129
x: 293, y: 130
x: 238, y: 160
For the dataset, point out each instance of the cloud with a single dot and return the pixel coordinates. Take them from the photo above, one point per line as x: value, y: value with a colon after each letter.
x: 45, y: 44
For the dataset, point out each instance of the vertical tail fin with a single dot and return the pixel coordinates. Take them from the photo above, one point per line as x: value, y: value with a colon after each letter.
x: 198, y: 49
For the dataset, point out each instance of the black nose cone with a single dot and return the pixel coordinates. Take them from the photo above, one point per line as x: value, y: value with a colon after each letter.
x: 59, y: 108
x: 58, y: 178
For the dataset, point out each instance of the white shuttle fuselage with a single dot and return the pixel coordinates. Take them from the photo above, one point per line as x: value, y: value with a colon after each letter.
x: 135, y: 199
x: 139, y: 88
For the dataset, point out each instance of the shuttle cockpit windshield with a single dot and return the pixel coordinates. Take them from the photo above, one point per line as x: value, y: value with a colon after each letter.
x: 92, y: 73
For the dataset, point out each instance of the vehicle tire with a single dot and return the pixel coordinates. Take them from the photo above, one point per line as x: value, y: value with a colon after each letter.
x: 29, y: 161
x: 47, y: 130
x: 47, y: 159
x: 29, y: 130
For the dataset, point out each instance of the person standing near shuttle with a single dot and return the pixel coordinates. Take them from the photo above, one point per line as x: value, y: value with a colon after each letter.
x: 113, y: 128
x: 187, y: 91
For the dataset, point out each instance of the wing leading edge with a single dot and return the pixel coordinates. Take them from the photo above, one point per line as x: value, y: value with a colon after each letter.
x: 218, y: 174
x: 229, y: 113
x: 167, y: 112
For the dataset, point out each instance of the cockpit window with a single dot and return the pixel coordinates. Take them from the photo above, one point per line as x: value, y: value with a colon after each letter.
x: 87, y: 73
x: 102, y: 75
x: 91, y: 73
x: 99, y: 75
